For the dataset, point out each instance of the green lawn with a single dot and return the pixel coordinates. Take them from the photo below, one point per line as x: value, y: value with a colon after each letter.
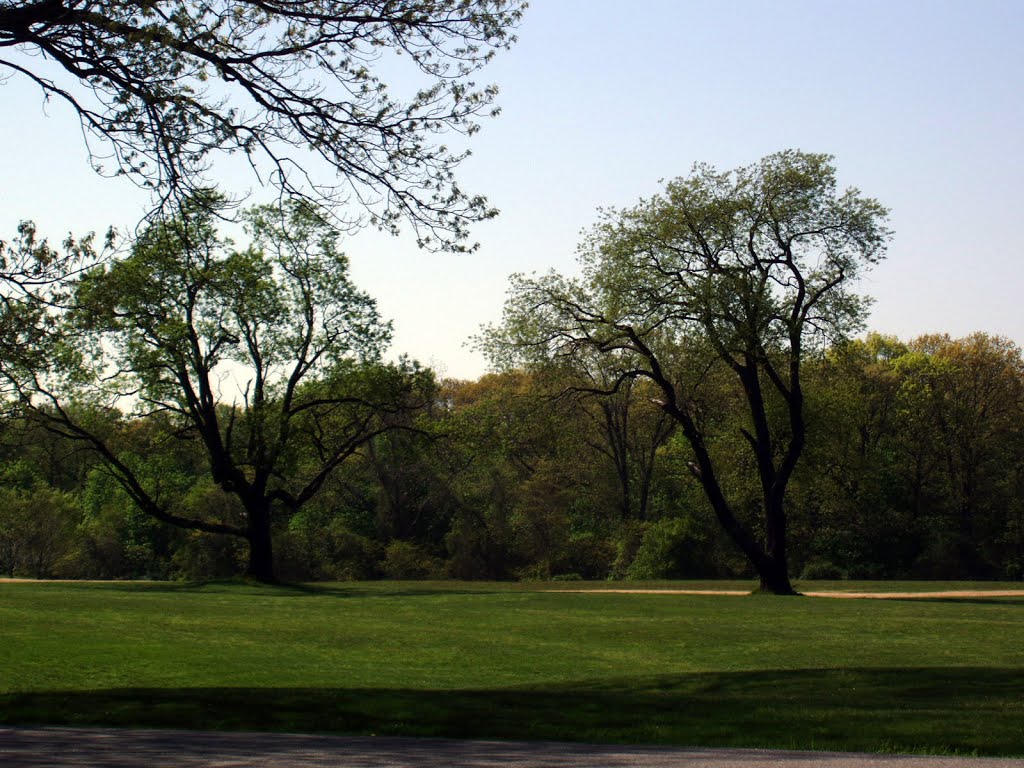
x: 509, y: 661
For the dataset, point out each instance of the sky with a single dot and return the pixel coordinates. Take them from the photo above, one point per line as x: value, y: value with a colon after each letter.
x: 920, y: 101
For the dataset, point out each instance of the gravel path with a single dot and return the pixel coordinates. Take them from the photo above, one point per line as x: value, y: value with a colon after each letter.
x: 110, y: 748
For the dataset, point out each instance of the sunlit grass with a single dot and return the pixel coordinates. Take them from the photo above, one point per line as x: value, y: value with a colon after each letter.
x: 510, y: 661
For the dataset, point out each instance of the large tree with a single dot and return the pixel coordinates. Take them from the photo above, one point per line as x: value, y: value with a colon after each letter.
x: 741, y: 272
x: 266, y: 358
x: 161, y: 86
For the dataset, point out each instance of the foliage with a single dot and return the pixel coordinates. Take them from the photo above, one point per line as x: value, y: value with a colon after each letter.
x: 497, y: 478
x: 33, y: 281
x: 165, y: 85
x: 670, y: 548
x: 36, y: 531
x: 406, y: 560
x: 740, y: 272
x: 263, y: 364
x: 319, y: 546
x: 914, y: 465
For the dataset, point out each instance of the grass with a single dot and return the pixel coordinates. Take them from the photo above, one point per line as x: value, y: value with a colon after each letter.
x: 507, y: 661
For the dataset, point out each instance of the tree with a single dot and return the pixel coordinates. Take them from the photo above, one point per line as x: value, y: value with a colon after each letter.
x: 619, y: 423
x: 913, y: 468
x: 36, y: 527
x: 513, y: 458
x: 267, y: 359
x: 742, y: 271
x: 36, y: 522
x: 165, y: 84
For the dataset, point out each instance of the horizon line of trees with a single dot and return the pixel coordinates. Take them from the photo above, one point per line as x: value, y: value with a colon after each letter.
x: 689, y: 404
x: 914, y: 468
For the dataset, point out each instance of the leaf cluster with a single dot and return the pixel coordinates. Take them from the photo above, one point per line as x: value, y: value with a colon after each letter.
x: 164, y: 85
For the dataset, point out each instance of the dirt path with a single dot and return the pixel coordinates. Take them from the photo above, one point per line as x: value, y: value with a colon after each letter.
x: 110, y: 748
x: 949, y: 594
x: 603, y: 591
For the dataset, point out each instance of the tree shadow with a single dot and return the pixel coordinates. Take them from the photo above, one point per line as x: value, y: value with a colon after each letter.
x: 946, y: 710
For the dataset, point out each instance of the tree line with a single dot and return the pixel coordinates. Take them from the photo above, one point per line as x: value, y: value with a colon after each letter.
x: 914, y: 468
x: 693, y: 403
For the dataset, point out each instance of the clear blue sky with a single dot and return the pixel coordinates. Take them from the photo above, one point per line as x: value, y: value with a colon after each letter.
x: 921, y: 102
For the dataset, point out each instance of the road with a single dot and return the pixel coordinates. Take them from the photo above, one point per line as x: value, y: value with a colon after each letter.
x: 110, y: 748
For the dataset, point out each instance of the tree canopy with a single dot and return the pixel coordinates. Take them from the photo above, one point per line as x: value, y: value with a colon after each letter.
x: 164, y: 85
x: 33, y: 279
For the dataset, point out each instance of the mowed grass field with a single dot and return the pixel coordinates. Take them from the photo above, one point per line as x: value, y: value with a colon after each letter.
x: 511, y: 661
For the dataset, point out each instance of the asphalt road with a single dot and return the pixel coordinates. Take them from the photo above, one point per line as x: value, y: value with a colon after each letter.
x: 108, y: 748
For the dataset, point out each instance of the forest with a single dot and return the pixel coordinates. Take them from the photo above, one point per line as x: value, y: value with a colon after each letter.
x: 697, y: 404
x: 914, y: 468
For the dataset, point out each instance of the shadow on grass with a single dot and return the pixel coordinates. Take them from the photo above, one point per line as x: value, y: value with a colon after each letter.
x: 944, y: 710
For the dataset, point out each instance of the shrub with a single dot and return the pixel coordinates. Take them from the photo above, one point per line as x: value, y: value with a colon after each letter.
x: 670, y: 549
x: 589, y: 556
x: 406, y: 560
x: 36, y: 531
x: 199, y: 557
x: 315, y: 549
x: 819, y: 569
x: 627, y: 543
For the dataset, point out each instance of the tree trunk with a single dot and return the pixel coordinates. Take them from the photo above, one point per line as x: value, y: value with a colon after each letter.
x: 774, y: 569
x: 770, y: 562
x: 261, y: 553
x: 774, y: 577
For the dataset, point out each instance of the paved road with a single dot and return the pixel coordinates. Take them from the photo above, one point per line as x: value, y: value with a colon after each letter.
x: 106, y: 748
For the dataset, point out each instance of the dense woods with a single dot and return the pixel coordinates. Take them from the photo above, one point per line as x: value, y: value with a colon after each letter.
x: 914, y: 468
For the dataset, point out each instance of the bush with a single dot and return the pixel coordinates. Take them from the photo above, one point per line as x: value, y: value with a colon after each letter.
x: 36, y: 531
x: 201, y: 556
x: 627, y: 543
x: 313, y: 549
x: 478, y: 546
x: 350, y: 557
x: 670, y: 549
x: 589, y: 556
x: 819, y: 569
x: 406, y: 560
